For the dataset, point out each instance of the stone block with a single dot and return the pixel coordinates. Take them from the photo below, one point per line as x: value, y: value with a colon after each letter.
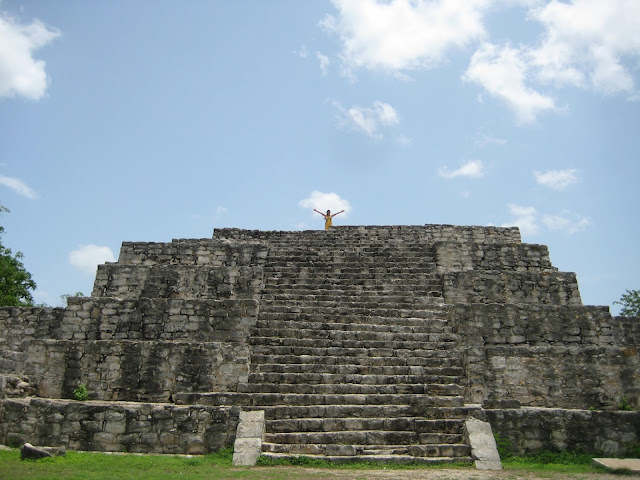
x: 31, y: 452
x: 483, y: 445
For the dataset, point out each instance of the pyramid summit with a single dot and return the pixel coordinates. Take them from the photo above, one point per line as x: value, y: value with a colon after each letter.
x: 360, y: 342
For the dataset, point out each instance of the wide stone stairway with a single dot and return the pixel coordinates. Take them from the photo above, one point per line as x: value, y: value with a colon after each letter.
x: 353, y: 353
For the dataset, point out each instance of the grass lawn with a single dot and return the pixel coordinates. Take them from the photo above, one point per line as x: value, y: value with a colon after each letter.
x: 90, y: 466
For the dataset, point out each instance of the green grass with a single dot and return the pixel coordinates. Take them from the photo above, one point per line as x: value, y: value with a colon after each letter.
x: 566, y: 462
x: 83, y: 466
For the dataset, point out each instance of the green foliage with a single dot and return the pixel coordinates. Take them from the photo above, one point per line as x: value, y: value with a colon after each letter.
x: 299, y: 461
x: 65, y: 297
x: 223, y: 457
x: 15, y: 281
x: 630, y: 302
x: 632, y: 450
x: 624, y: 405
x: 566, y: 457
x: 505, y: 449
x: 81, y: 394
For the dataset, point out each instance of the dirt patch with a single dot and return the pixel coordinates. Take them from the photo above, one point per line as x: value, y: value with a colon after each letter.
x: 428, y: 474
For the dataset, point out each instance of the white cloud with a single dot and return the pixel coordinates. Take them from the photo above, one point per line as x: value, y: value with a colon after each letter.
x: 88, y: 257
x: 326, y: 201
x: 503, y: 71
x: 220, y: 210
x: 404, y: 140
x: 557, y: 179
x: 473, y: 169
x: 587, y: 41
x: 368, y: 120
x: 403, y: 34
x: 324, y: 62
x: 524, y: 218
x: 485, y: 140
x: 20, y: 73
x: 584, y: 43
x: 18, y: 186
x: 567, y: 222
x: 528, y: 220
x: 302, y: 52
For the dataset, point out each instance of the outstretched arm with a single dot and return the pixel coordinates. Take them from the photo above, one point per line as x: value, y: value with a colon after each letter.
x: 337, y: 213
x: 319, y: 212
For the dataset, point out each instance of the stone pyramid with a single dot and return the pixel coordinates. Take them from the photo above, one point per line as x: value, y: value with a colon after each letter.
x: 372, y: 342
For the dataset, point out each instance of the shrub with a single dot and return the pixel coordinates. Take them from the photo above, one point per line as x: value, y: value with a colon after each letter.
x: 81, y: 394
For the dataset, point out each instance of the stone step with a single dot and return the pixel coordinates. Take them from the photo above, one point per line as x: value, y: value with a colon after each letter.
x: 436, y: 375
x: 390, y: 410
x: 384, y: 456
x: 302, y: 246
x: 357, y: 301
x: 443, y: 431
x: 366, y: 287
x: 355, y: 326
x: 386, y: 340
x: 353, y: 259
x: 266, y: 399
x: 352, y: 251
x: 342, y: 446
x: 362, y: 283
x: 330, y: 269
x: 361, y: 362
x: 342, y: 389
x: 349, y: 258
x: 349, y: 369
x: 314, y: 276
x: 361, y: 335
x: 412, y: 319
x: 359, y: 352
x: 336, y: 309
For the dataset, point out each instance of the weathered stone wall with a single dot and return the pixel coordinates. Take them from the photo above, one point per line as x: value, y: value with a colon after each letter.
x: 18, y: 326
x: 214, y: 253
x: 130, y: 350
x: 570, y: 357
x: 177, y: 281
x: 530, y: 430
x: 84, y: 318
x: 122, y: 427
x: 518, y: 257
x: 546, y: 288
x: 400, y: 233
x: 127, y: 370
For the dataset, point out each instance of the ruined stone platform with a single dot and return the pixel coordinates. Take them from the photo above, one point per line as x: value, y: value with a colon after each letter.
x: 373, y: 342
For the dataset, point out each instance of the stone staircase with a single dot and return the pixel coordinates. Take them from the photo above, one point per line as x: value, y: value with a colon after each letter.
x: 353, y: 355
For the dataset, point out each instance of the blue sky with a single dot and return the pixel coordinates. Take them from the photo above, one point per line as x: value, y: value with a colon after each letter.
x: 152, y: 120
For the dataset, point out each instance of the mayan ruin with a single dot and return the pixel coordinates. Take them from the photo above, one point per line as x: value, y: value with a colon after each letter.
x: 377, y: 342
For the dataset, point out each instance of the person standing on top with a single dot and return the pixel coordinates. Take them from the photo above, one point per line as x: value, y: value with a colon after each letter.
x: 328, y: 217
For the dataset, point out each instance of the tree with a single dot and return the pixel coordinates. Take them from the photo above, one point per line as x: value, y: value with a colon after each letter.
x: 630, y: 302
x: 15, y: 281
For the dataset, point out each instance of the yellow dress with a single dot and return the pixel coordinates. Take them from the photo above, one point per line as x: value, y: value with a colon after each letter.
x: 327, y: 222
